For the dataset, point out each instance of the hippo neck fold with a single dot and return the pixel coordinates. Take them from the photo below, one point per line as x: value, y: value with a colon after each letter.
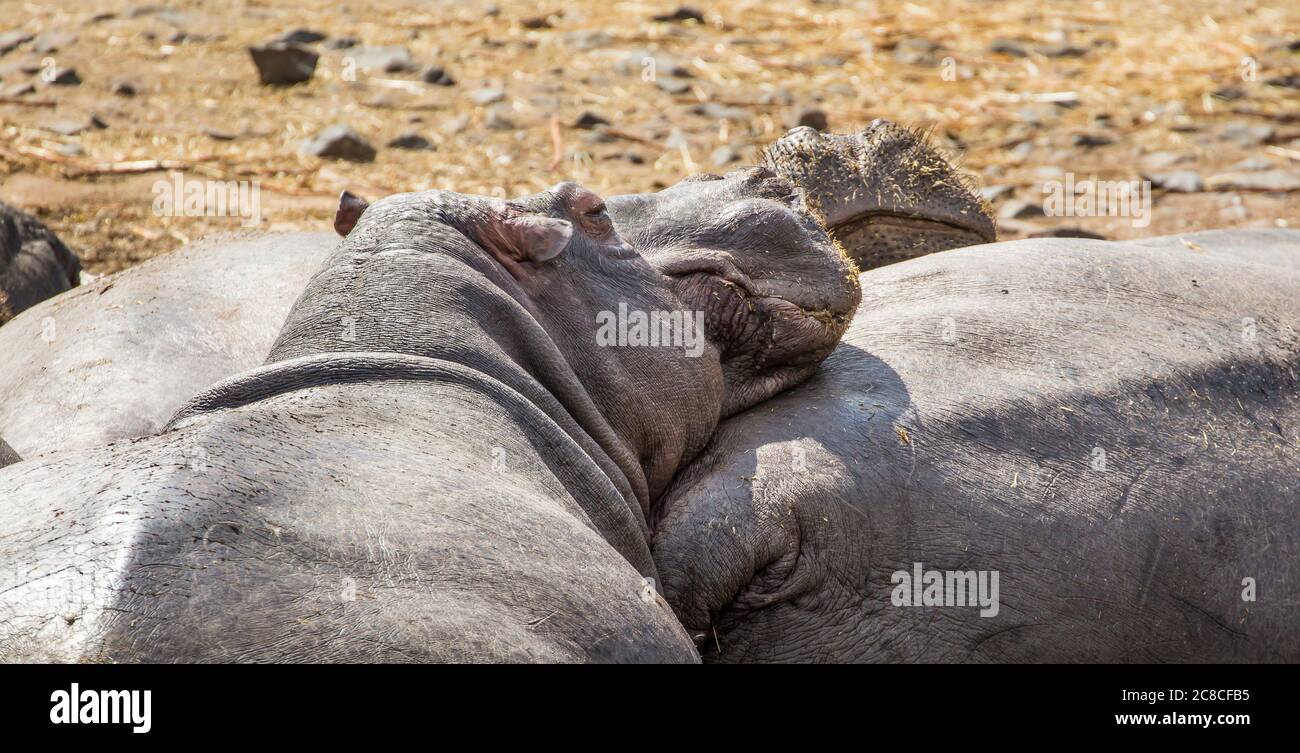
x: 380, y: 311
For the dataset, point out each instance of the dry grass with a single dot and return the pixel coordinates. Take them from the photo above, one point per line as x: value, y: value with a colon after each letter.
x: 1150, y: 68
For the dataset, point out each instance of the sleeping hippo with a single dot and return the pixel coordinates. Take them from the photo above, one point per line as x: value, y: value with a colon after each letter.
x: 34, y: 263
x: 1090, y: 450
x: 439, y: 460
x: 117, y: 357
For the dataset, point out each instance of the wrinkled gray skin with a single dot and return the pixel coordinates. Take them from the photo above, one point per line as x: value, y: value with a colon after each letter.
x: 129, y: 349
x: 1113, y: 427
x: 34, y: 263
x: 434, y: 463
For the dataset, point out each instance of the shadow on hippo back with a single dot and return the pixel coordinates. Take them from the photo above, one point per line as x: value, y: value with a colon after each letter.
x: 884, y: 193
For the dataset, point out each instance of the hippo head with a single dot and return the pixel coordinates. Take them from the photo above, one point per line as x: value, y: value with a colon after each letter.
x: 883, y: 193
x: 600, y: 328
x: 775, y: 290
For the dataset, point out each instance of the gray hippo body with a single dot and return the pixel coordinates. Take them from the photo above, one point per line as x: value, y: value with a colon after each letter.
x: 34, y: 263
x: 1112, y: 427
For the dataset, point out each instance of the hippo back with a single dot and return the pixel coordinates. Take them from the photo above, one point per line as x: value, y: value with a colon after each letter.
x: 117, y: 357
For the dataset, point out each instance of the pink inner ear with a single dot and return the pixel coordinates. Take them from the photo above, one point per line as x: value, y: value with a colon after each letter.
x: 544, y: 238
x: 529, y: 237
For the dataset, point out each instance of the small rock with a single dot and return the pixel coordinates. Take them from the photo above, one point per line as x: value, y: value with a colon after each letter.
x: 778, y: 96
x: 588, y: 40
x: 1062, y: 50
x: 813, y: 118
x: 724, y: 155
x: 1253, y: 163
x: 682, y: 14
x: 719, y: 111
x: 498, y: 120
x: 657, y: 64
x: 1289, y: 81
x: 341, y: 43
x: 676, y: 140
x: 20, y: 90
x: 1256, y: 180
x: 1067, y: 101
x: 673, y: 85
x: 917, y: 51
x: 67, y: 127
x: 52, y: 41
x: 1090, y: 140
x: 536, y: 22
x: 1008, y: 47
x: 282, y: 64
x: 1020, y: 152
x: 10, y: 40
x: 1247, y: 134
x: 395, y: 59
x: 1017, y: 209
x: 1162, y: 160
x: 456, y: 124
x: 339, y: 142
x: 1067, y: 232
x: 589, y: 120
x: 65, y: 77
x: 123, y: 88
x: 438, y: 76
x: 487, y: 96
x: 600, y: 135
x: 1177, y: 181
x: 70, y: 150
x: 413, y: 141
x: 632, y: 157
x: 1230, y: 93
x: 218, y: 135
x: 301, y: 36
x: 993, y: 193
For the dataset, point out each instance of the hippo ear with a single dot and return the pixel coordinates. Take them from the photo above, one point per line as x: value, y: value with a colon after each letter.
x: 350, y: 208
x: 515, y: 236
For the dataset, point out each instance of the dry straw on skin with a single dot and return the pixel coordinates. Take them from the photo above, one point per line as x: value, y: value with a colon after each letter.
x: 768, y: 59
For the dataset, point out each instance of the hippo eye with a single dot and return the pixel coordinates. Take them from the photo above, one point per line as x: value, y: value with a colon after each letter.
x: 597, y: 213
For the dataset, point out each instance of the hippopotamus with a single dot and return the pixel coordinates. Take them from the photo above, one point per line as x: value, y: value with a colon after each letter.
x: 439, y: 460
x: 117, y: 357
x: 34, y: 263
x: 1100, y: 438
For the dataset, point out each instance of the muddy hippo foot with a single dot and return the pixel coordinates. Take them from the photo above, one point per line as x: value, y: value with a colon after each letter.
x: 883, y: 193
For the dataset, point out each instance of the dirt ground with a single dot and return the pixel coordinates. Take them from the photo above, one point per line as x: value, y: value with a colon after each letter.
x: 1022, y: 93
